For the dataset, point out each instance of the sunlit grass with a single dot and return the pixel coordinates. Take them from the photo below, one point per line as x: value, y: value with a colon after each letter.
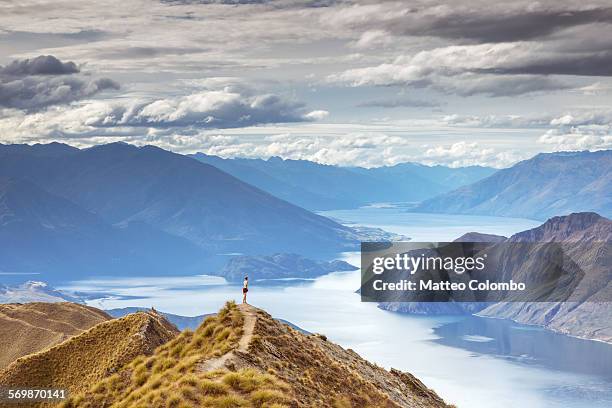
x: 171, y: 378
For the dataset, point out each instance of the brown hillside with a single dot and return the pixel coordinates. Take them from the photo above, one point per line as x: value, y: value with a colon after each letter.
x: 242, y: 357
x: 585, y: 239
x: 32, y: 327
x: 323, y: 374
x: 92, y: 355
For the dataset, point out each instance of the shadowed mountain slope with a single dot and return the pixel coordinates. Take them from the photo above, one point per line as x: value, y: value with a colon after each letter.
x: 586, y: 238
x: 565, y: 262
x: 144, y: 210
x: 69, y: 241
x: 323, y: 187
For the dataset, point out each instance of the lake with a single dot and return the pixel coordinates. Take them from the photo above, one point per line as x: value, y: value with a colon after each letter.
x: 469, y: 361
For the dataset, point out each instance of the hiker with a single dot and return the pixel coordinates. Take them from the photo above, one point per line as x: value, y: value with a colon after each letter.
x: 245, y: 288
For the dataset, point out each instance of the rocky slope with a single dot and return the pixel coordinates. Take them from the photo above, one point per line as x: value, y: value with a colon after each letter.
x: 32, y: 327
x: 539, y: 188
x: 322, y: 373
x: 87, y: 358
x: 577, y: 299
x: 242, y: 357
x: 587, y: 240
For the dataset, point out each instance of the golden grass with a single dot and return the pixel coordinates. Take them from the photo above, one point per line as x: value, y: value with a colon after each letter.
x: 91, y: 356
x: 33, y: 327
x: 171, y: 376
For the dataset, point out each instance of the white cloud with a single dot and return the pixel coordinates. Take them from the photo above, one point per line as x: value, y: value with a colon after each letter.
x: 580, y: 130
x: 464, y: 153
x: 181, y: 115
x: 373, y: 38
x: 464, y: 70
x: 317, y: 115
x: 579, y: 138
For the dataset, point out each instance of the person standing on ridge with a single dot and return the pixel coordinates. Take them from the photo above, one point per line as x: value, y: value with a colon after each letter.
x: 245, y: 288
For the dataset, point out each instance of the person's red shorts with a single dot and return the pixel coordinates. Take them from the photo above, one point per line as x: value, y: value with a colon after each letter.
x: 244, y: 290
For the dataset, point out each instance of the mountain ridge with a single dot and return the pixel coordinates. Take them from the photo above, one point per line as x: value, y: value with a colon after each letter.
x: 544, y: 186
x: 89, y: 356
x: 579, y: 268
x: 168, y: 211
x: 324, y: 187
x: 241, y: 356
x: 31, y: 327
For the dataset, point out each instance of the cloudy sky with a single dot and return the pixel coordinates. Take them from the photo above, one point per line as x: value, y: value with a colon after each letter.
x: 455, y: 82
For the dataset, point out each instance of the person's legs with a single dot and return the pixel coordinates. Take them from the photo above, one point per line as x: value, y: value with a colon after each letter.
x: 243, y: 297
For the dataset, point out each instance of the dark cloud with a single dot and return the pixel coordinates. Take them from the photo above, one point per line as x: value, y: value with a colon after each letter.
x: 276, y: 3
x: 32, y: 84
x: 478, y: 21
x: 500, y: 85
x: 227, y: 2
x: 398, y: 102
x: 595, y: 64
x: 506, y: 26
x: 41, y: 65
x: 35, y: 93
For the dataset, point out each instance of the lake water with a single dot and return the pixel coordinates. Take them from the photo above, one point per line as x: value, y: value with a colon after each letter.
x: 469, y: 361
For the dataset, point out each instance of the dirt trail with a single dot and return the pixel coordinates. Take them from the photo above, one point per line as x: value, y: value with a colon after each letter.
x: 250, y: 317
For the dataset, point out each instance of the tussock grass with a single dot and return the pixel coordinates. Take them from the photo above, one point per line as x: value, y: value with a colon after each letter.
x: 171, y: 378
x: 250, y: 380
x: 33, y: 327
x: 88, y: 360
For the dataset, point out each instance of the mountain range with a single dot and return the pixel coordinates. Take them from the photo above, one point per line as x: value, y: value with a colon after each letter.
x: 119, y: 208
x: 325, y: 187
x: 544, y: 186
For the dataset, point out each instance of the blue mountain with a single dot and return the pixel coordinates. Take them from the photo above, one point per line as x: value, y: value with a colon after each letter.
x: 45, y: 236
x: 322, y: 187
x: 546, y: 185
x: 123, y: 209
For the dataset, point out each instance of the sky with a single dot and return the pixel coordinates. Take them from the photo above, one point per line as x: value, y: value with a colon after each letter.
x: 369, y: 83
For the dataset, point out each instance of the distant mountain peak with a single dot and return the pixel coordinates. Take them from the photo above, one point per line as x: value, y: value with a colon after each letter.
x: 583, y: 226
x: 544, y: 186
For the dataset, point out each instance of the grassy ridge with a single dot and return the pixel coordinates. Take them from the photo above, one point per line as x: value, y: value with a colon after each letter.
x: 32, y: 327
x: 172, y: 376
x: 91, y: 356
